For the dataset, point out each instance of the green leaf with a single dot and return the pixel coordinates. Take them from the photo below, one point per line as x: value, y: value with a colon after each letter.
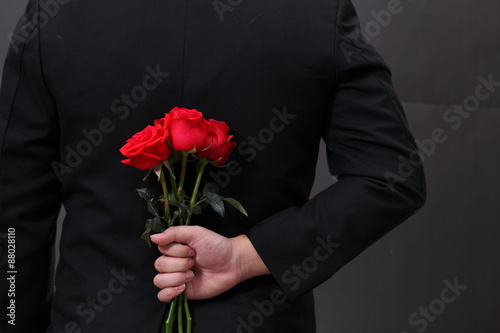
x: 184, y: 207
x: 157, y: 225
x: 145, y: 193
x: 217, y: 204
x: 196, y: 210
x: 236, y: 204
x: 145, y: 236
x: 210, y: 191
x: 148, y: 195
x: 152, y: 208
x: 172, y: 199
x: 175, y: 216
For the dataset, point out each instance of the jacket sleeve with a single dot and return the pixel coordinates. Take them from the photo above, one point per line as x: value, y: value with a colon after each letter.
x: 29, y: 188
x: 374, y: 158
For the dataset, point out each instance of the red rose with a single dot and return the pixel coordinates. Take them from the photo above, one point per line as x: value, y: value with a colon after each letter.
x: 147, y: 148
x: 220, y: 146
x: 163, y: 122
x: 187, y: 129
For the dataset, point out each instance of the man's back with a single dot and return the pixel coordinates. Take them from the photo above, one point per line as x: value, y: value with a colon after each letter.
x: 280, y: 73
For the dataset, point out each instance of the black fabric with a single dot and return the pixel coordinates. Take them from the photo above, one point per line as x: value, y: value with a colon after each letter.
x: 281, y: 73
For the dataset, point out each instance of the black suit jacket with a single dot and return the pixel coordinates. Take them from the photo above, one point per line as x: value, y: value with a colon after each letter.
x: 83, y: 76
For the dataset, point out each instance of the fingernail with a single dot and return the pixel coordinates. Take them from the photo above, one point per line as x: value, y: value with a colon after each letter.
x: 189, y: 275
x: 181, y: 287
x: 191, y: 253
x: 191, y: 262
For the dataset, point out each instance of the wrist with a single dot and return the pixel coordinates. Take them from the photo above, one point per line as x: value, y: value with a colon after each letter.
x: 247, y: 259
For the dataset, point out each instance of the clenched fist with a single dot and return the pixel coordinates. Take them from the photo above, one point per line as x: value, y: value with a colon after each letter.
x: 203, y: 262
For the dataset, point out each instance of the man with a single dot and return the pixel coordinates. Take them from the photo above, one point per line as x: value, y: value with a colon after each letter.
x: 83, y: 76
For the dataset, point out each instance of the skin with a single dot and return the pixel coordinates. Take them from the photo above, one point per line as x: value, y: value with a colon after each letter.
x: 203, y: 262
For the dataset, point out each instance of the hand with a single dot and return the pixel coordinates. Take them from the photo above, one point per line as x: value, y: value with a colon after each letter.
x: 203, y: 262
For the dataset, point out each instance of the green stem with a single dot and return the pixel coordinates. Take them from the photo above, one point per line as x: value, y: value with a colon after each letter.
x: 173, y: 183
x: 172, y: 177
x: 165, y: 193
x: 185, y: 155
x: 169, y: 324
x: 202, y: 164
x: 189, y: 320
x: 200, y: 202
x: 180, y: 328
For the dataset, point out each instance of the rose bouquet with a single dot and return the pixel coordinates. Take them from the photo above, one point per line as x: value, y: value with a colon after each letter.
x: 166, y: 148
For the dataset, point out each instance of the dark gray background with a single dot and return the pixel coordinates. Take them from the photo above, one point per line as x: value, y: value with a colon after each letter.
x: 437, y: 49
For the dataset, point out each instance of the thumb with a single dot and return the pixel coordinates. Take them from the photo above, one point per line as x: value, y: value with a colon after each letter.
x: 178, y: 234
